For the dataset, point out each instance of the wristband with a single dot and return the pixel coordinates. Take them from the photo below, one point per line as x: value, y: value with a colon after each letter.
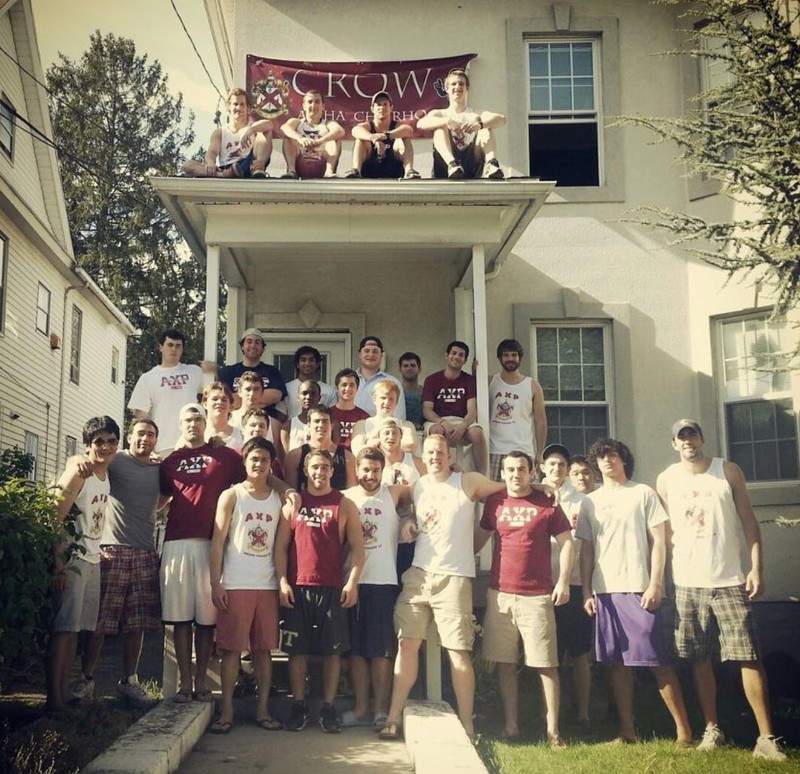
x: 480, y: 122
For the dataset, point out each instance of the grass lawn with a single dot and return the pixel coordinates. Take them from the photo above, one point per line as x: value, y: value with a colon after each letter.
x: 655, y: 753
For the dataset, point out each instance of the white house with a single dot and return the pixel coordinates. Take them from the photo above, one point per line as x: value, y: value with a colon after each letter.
x: 625, y: 333
x: 62, y: 341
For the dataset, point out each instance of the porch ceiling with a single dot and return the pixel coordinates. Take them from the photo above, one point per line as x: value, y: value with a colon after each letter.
x: 262, y: 221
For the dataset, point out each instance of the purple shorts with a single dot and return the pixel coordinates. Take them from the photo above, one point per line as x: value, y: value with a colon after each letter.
x: 627, y: 633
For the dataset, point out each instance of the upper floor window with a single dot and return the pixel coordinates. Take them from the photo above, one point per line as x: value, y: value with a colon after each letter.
x: 564, y: 111
x: 114, y: 365
x: 571, y: 362
x: 7, y: 126
x: 32, y: 448
x: 758, y: 412
x: 43, y: 310
x: 75, y: 345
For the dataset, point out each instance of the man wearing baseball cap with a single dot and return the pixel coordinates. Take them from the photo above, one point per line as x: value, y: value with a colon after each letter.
x: 382, y: 147
x: 252, y: 346
x: 712, y: 520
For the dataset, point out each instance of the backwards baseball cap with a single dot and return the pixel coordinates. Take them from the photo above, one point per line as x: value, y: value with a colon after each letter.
x: 190, y: 410
x: 681, y: 424
x: 381, y: 95
x: 390, y: 422
x: 555, y: 448
x: 251, y: 332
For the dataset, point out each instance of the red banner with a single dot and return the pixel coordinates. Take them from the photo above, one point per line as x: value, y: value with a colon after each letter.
x: 277, y: 87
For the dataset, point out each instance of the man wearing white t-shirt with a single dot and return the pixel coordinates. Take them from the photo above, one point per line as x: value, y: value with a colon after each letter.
x: 161, y: 392
x: 517, y: 420
x: 712, y: 520
x: 622, y: 529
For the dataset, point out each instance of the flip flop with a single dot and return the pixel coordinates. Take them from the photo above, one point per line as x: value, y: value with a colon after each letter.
x: 220, y: 727
x: 350, y: 720
x: 269, y: 723
x: 390, y: 732
x: 183, y: 696
x: 204, y: 695
x: 379, y: 721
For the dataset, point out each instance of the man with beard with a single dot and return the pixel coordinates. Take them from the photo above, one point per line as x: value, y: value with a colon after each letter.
x: 517, y: 421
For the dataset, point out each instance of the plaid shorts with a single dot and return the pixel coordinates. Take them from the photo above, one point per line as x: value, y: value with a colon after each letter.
x: 130, y: 597
x: 495, y: 466
x: 710, y: 622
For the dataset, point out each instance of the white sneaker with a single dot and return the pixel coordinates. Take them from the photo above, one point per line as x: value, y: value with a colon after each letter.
x: 713, y: 739
x: 135, y: 695
x: 83, y: 688
x: 770, y: 748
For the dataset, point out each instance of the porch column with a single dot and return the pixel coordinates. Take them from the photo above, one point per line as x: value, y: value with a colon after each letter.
x: 236, y: 318
x: 481, y: 335
x: 212, y: 302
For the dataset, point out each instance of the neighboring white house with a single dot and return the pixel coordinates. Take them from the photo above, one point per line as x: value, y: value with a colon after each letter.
x: 625, y: 333
x: 62, y: 341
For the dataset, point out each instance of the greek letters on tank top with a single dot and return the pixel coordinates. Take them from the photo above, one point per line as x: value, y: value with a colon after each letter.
x: 230, y: 148
x: 315, y: 555
x: 248, y: 562
x: 511, y: 418
x: 403, y: 473
x: 91, y: 504
x: 708, y: 542
x: 380, y: 526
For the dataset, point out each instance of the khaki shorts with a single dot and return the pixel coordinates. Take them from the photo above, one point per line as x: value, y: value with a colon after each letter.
x: 186, y: 583
x: 77, y: 605
x: 445, y: 600
x: 511, y: 617
x: 426, y: 427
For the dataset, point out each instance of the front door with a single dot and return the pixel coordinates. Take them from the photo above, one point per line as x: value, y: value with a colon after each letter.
x: 335, y: 348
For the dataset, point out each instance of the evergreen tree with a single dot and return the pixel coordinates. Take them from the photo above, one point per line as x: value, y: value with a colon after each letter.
x: 744, y: 133
x: 116, y: 124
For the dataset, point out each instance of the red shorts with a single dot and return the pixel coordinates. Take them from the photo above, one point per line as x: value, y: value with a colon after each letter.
x: 130, y: 596
x: 250, y: 622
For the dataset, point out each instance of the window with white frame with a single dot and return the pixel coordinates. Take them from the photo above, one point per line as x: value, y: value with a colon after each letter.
x: 755, y: 383
x: 32, y: 448
x: 564, y: 111
x: 571, y: 362
x: 43, y: 298
x: 75, y: 345
x: 7, y: 126
x: 114, y: 365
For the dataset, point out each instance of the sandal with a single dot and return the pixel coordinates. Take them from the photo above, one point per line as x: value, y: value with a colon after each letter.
x: 205, y: 695
x: 390, y: 732
x: 184, y: 696
x: 379, y: 721
x: 269, y: 723
x: 220, y: 726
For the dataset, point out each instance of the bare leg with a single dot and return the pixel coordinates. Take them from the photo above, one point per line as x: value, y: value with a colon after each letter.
x: 298, y: 666
x: 361, y: 151
x: 622, y: 687
x: 581, y: 678
x: 60, y: 657
x: 291, y: 150
x: 332, y: 152
x: 131, y: 651
x: 381, y: 674
x: 485, y: 143
x: 262, y: 150
x: 229, y: 673
x: 442, y: 143
x: 463, y: 676
x: 406, y: 667
x: 262, y: 662
x: 754, y: 681
x: 479, y: 455
x: 509, y: 693
x: 404, y: 151
x: 705, y: 684
x: 331, y: 669
x: 203, y: 644
x: 552, y: 697
x: 182, y: 637
x: 91, y: 653
x: 359, y: 673
x: 194, y: 168
x: 670, y: 689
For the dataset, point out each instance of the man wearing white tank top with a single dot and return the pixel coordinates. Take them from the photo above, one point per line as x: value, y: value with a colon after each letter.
x: 517, y: 418
x: 713, y: 526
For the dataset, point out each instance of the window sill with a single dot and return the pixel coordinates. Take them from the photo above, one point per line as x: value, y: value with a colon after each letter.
x: 774, y: 493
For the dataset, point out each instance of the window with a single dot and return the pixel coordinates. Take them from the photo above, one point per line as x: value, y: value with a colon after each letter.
x: 43, y: 310
x: 3, y: 262
x: 114, y: 365
x: 7, y: 125
x: 70, y: 447
x: 75, y: 346
x: 563, y: 111
x: 758, y: 411
x: 32, y: 448
x: 571, y: 364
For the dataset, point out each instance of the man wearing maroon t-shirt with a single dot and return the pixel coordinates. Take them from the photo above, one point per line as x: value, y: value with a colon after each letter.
x: 345, y: 413
x: 309, y: 559
x: 194, y: 477
x: 450, y: 406
x: 521, y: 596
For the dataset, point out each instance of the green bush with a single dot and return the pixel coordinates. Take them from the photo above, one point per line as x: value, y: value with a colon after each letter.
x: 28, y: 531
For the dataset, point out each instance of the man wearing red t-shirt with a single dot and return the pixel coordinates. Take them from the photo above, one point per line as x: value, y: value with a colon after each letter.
x: 309, y: 559
x: 450, y: 406
x: 345, y: 413
x: 521, y: 596
x: 194, y: 477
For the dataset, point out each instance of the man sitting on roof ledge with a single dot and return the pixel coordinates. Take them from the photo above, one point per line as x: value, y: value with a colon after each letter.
x: 238, y: 149
x: 463, y: 139
x: 311, y: 145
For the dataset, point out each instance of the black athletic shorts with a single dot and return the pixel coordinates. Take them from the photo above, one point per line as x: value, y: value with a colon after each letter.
x: 573, y: 625
x: 317, y: 624
x: 372, y: 632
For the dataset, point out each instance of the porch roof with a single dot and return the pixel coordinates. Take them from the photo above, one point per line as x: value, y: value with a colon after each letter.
x: 255, y: 221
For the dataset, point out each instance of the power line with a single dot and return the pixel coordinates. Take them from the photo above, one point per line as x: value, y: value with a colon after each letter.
x: 191, y: 40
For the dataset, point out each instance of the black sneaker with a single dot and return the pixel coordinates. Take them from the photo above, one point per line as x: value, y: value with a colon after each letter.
x: 455, y: 171
x: 329, y: 720
x: 298, y: 718
x: 492, y: 170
